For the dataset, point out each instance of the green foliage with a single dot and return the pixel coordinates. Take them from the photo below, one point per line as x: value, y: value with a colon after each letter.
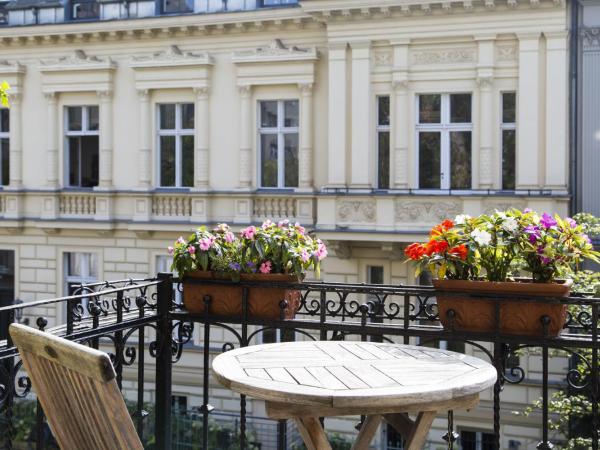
x: 4, y: 88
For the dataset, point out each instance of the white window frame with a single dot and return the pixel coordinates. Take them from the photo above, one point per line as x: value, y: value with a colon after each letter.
x: 5, y: 135
x: 84, y: 278
x: 383, y: 129
x: 280, y: 130
x: 85, y: 131
x: 178, y: 132
x: 445, y: 127
x: 503, y: 127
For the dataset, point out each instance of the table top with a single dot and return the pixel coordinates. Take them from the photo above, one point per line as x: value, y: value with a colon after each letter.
x: 351, y: 374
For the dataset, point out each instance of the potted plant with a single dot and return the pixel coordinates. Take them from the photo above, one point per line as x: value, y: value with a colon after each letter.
x: 264, y: 255
x: 480, y: 255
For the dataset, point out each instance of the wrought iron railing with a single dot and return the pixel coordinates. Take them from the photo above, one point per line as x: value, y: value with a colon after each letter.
x: 142, y: 325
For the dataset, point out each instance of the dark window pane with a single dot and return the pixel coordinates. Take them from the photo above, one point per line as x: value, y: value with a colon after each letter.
x: 93, y: 121
x: 508, y: 159
x: 430, y: 107
x: 429, y: 160
x: 291, y: 113
x: 468, y: 440
x: 509, y: 107
x: 487, y: 441
x: 5, y: 150
x: 460, y: 160
x: 174, y: 6
x: 460, y: 108
x: 187, y: 116
x: 86, y: 10
x: 74, y: 114
x: 167, y: 117
x: 167, y: 160
x: 187, y: 163
x: 74, y: 161
x: 89, y: 161
x: 383, y: 161
x: 268, y: 160
x: 268, y: 114
x: 4, y: 121
x: 375, y: 274
x: 291, y: 160
x: 383, y: 108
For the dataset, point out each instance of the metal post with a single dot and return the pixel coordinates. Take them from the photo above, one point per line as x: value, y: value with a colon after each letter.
x: 163, y: 362
x: 545, y: 444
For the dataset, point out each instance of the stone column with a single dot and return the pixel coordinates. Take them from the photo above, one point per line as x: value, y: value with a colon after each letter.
x: 145, y: 151
x: 245, y: 160
x: 336, y: 155
x: 202, y: 139
x: 306, y: 137
x: 556, y: 110
x: 361, y: 115
x: 400, y: 120
x: 52, y: 140
x: 528, y: 117
x: 16, y: 142
x: 106, y: 139
x: 485, y: 79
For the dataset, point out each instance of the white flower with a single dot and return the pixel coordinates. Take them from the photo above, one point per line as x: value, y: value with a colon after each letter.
x: 510, y: 224
x: 461, y: 219
x: 482, y: 237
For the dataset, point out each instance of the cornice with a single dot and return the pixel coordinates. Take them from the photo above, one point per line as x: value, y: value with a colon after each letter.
x: 11, y: 68
x: 171, y: 57
x: 277, y: 51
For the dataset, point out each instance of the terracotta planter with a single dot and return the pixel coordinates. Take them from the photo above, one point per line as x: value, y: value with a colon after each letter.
x: 226, y: 300
x: 516, y: 317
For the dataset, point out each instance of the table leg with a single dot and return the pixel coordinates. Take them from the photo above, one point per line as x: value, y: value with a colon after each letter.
x: 312, y: 433
x: 366, y: 433
x: 415, y: 432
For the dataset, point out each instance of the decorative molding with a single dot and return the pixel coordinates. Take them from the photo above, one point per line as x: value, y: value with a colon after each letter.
x: 173, y: 56
x: 276, y: 51
x: 426, y: 211
x: 356, y: 211
x: 382, y: 58
x: 305, y: 88
x: 485, y: 81
x: 506, y: 53
x: 341, y: 249
x: 11, y: 68
x: 452, y: 56
x: 78, y: 60
x: 590, y: 39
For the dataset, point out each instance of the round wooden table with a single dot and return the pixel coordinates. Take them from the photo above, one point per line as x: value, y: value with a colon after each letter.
x: 307, y: 380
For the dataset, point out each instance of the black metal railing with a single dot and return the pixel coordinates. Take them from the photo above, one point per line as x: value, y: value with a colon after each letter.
x: 145, y: 329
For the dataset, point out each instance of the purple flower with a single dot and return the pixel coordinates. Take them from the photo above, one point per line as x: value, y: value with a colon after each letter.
x: 547, y: 221
x: 540, y: 250
x: 235, y: 266
x: 571, y: 222
x: 527, y: 210
x: 533, y: 232
x: 546, y: 260
x: 587, y: 238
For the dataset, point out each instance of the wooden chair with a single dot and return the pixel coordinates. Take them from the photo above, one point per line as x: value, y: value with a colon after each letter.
x: 77, y: 389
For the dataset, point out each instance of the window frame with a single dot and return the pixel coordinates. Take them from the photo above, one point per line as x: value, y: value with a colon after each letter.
x: 178, y: 132
x: 5, y: 135
x: 444, y: 127
x: 383, y: 129
x: 280, y: 130
x: 507, y: 126
x: 85, y: 131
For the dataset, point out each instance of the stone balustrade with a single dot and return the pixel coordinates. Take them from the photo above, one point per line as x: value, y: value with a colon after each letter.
x: 77, y: 204
x: 172, y: 205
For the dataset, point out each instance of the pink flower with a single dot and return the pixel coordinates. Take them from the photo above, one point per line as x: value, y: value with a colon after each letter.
x: 283, y: 223
x: 304, y: 256
x: 321, y: 252
x: 191, y: 250
x: 249, y: 233
x: 171, y: 250
x: 205, y: 244
x: 229, y: 237
x: 266, y: 224
x: 181, y: 240
x: 265, y: 267
x: 300, y: 228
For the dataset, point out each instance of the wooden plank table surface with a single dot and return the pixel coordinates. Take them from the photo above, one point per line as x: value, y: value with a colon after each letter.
x: 307, y: 380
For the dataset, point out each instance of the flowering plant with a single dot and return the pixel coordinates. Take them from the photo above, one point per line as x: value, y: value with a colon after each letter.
x: 4, y: 88
x: 493, y: 246
x: 282, y: 248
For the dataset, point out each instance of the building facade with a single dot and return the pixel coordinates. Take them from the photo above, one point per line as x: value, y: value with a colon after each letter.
x: 367, y: 121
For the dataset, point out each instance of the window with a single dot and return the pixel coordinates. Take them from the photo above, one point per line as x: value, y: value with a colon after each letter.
x: 444, y: 130
x: 178, y: 6
x: 383, y: 142
x: 179, y: 404
x: 278, y: 2
x: 163, y: 264
x: 393, y: 439
x: 85, y: 9
x: 4, y: 146
x: 278, y: 132
x: 82, y: 145
x: 79, y: 268
x: 7, y: 277
x: 476, y: 440
x: 508, y: 130
x: 176, y: 144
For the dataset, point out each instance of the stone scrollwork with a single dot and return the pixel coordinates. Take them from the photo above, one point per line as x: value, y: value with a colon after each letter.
x: 276, y: 50
x: 590, y: 39
x: 356, y: 211
x: 453, y: 56
x: 426, y: 211
x: 506, y: 52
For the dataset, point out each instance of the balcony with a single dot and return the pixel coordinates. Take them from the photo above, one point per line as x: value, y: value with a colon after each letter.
x: 150, y: 337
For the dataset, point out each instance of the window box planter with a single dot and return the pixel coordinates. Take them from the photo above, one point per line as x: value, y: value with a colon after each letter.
x: 516, y: 317
x: 226, y: 299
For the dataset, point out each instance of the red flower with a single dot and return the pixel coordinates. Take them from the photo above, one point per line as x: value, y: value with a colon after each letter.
x: 440, y: 229
x: 415, y: 251
x: 435, y: 246
x: 447, y: 224
x: 461, y: 251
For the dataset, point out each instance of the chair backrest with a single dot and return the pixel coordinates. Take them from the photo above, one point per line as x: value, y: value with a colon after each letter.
x: 77, y: 389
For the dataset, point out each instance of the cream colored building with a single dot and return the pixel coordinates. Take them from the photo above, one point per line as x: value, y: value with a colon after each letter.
x: 365, y: 120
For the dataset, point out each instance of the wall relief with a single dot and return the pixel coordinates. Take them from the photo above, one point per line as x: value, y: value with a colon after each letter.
x: 356, y: 211
x: 423, y: 211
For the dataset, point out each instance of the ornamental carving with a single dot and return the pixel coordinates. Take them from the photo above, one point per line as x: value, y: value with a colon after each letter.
x: 77, y: 60
x: 424, y: 211
x: 172, y: 56
x: 382, y: 59
x: 356, y: 211
x: 590, y: 38
x: 445, y: 56
x: 506, y: 53
x: 276, y: 51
